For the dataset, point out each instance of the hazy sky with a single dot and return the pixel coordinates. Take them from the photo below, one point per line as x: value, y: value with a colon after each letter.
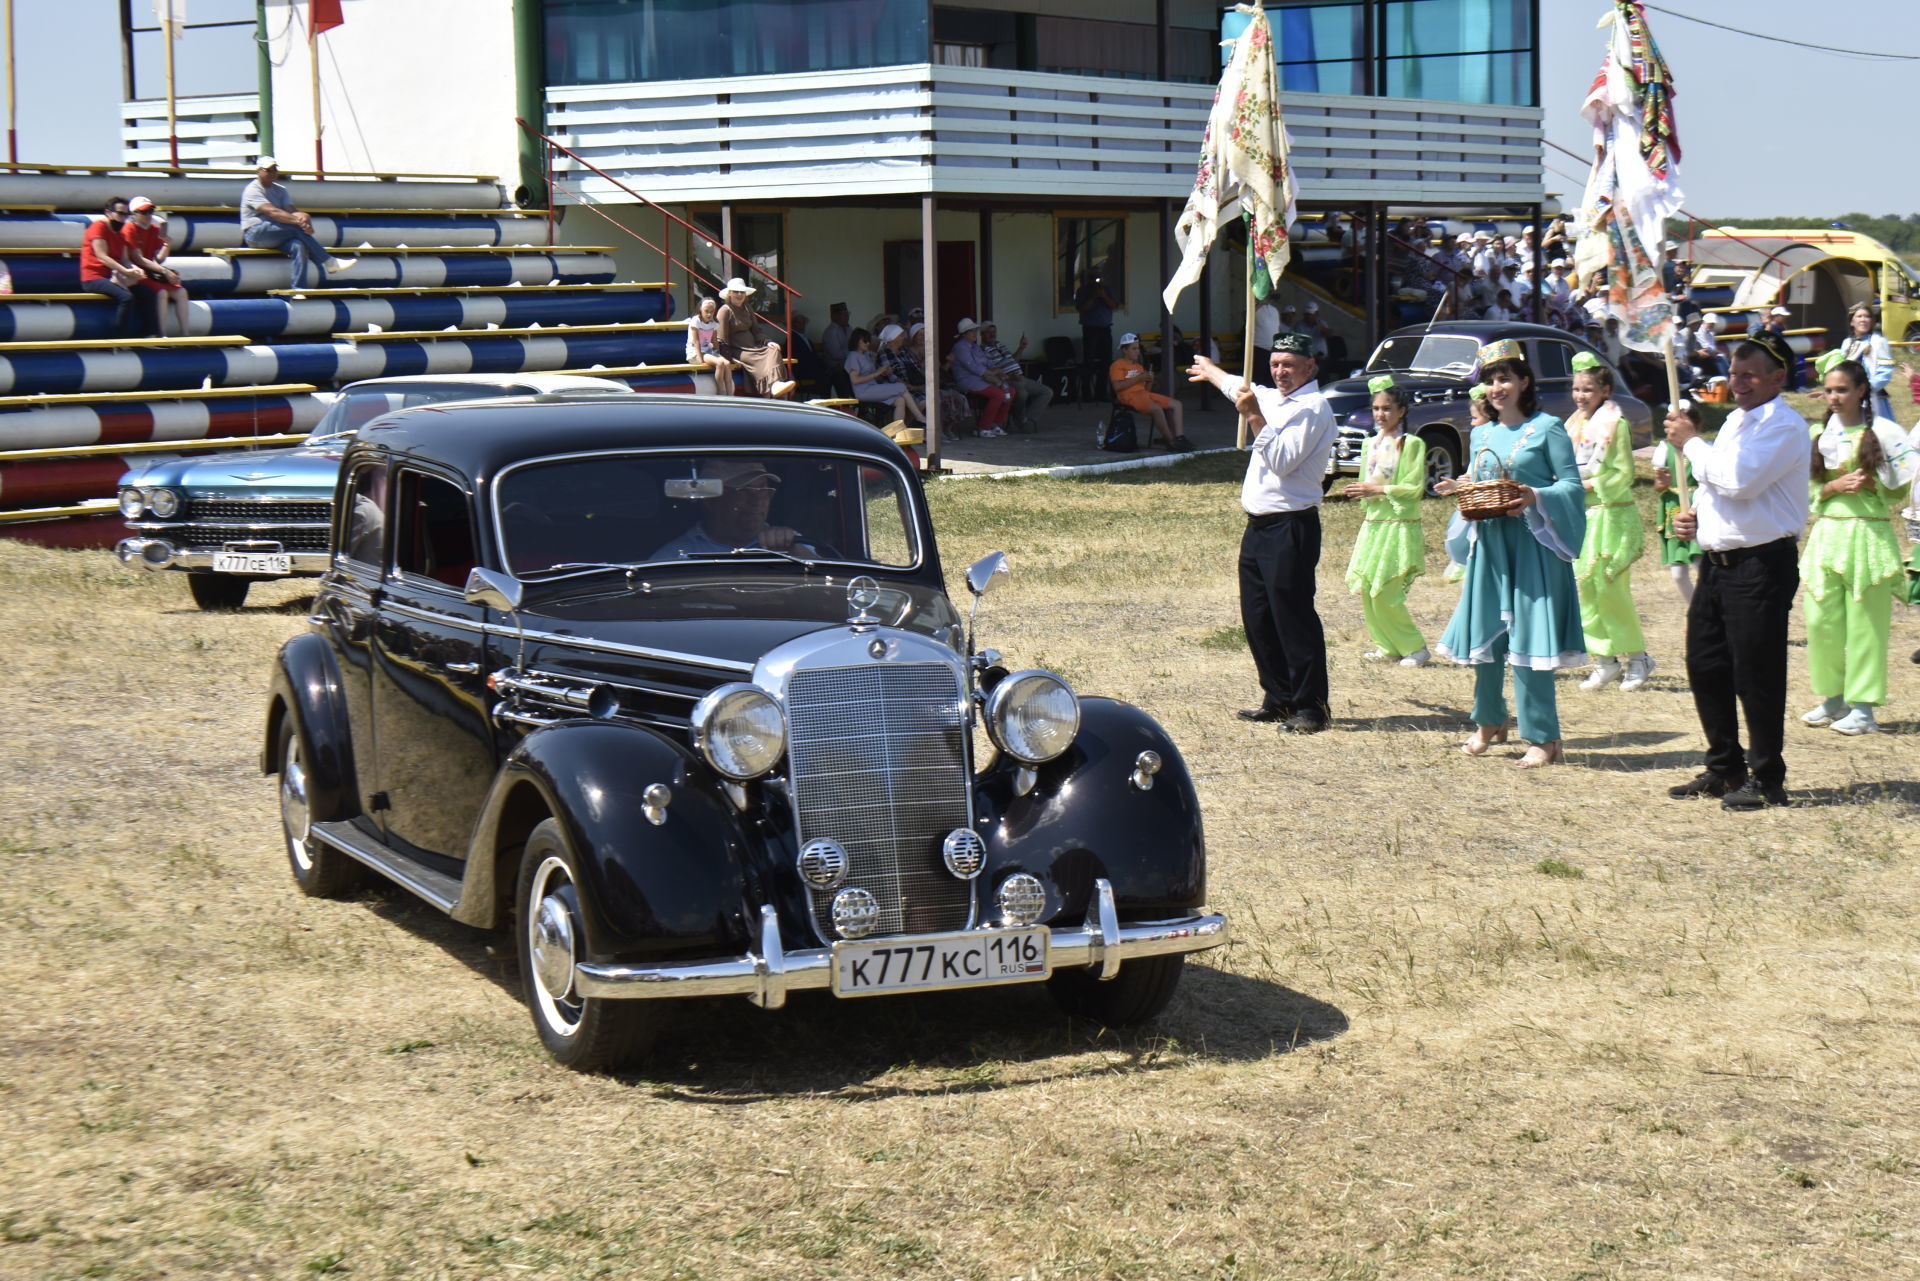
x: 1766, y: 129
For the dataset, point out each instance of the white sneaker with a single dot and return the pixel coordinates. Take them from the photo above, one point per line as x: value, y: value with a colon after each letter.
x: 993, y: 433
x: 1639, y: 667
x: 780, y: 389
x: 1826, y: 713
x: 1376, y: 656
x: 1858, y: 721
x: 1605, y: 672
x: 337, y: 265
x: 1419, y: 658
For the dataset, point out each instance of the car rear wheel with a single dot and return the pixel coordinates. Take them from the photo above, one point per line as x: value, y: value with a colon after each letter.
x: 1443, y: 457
x: 318, y: 869
x: 587, y: 1034
x: 218, y: 591
x: 1139, y: 991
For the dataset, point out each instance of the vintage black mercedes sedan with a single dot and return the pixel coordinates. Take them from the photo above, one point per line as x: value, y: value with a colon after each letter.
x: 672, y: 687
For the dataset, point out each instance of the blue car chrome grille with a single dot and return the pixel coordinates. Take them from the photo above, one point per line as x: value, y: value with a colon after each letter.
x: 877, y: 759
x: 259, y: 513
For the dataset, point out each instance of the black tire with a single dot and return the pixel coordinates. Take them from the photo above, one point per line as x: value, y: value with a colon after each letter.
x: 1139, y: 991
x: 1443, y: 456
x: 587, y: 1034
x: 318, y: 869
x: 218, y: 591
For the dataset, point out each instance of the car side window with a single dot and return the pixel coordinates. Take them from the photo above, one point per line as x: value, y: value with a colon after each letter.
x: 1555, y: 359
x: 364, y: 520
x: 434, y: 535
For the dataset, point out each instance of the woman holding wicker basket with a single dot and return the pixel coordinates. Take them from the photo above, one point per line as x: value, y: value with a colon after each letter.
x: 1526, y: 518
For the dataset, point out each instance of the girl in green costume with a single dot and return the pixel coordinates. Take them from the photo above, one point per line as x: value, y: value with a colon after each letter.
x: 1863, y: 470
x: 1679, y: 555
x: 1603, y: 447
x: 1519, y: 606
x: 1478, y: 416
x: 1391, y: 550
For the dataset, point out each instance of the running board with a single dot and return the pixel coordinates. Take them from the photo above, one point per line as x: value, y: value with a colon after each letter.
x: 437, y: 888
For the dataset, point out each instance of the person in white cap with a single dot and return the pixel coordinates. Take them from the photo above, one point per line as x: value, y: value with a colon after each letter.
x: 741, y: 339
x: 1313, y: 327
x: 270, y: 220
x: 1132, y: 384
x: 147, y: 248
x: 985, y: 388
x: 1774, y: 322
x: 736, y: 517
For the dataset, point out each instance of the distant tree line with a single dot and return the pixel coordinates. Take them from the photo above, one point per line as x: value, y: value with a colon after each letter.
x: 1897, y: 232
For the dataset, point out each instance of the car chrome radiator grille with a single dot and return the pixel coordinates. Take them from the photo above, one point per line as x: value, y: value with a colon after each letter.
x: 264, y: 513
x: 878, y: 763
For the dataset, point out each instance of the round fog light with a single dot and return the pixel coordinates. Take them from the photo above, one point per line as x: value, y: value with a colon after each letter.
x: 157, y: 554
x: 855, y: 913
x: 1023, y: 900
x: 964, y: 853
x: 822, y: 862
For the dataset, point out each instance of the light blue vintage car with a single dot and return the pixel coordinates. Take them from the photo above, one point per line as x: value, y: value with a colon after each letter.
x: 230, y: 520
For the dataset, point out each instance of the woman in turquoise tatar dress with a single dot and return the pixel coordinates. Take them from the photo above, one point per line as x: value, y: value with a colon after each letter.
x: 1519, y: 606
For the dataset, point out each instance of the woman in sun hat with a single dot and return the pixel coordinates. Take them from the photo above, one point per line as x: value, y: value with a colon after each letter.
x: 1519, y: 606
x: 1391, y: 550
x: 1863, y: 472
x: 742, y: 340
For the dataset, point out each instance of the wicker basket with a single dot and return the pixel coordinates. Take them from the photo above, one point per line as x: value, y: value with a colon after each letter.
x: 1485, y: 499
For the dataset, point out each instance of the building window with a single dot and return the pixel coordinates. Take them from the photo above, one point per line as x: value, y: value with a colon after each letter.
x: 619, y: 41
x: 948, y: 54
x: 1320, y: 48
x: 1089, y: 249
x: 1459, y: 51
x: 758, y: 236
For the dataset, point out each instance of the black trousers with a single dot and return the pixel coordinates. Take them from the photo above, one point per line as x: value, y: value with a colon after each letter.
x: 1278, y: 557
x: 1737, y: 652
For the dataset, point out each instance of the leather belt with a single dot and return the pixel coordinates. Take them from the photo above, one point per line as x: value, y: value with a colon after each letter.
x: 1274, y: 518
x: 1734, y: 555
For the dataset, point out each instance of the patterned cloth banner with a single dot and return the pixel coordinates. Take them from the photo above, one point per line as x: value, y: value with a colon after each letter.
x: 1635, y: 183
x: 1243, y: 165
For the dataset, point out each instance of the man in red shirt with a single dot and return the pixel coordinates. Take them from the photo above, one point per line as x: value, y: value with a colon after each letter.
x: 104, y: 269
x: 147, y: 247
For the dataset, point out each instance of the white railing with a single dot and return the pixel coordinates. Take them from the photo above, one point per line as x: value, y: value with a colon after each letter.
x: 217, y: 132
x: 977, y: 131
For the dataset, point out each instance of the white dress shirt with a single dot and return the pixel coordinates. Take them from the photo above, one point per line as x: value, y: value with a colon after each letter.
x: 1290, y: 454
x: 1752, y: 479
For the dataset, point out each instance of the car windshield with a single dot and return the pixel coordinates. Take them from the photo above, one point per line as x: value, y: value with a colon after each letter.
x: 578, y: 514
x: 1433, y: 353
x: 355, y: 407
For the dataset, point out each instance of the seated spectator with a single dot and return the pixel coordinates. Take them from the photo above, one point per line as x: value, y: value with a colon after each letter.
x: 1315, y: 328
x: 1701, y: 348
x: 1133, y: 387
x: 986, y: 388
x: 270, y: 220
x: 1502, y: 308
x: 834, y: 345
x: 875, y: 382
x: 104, y: 268
x: 808, y: 370
x: 702, y: 326
x: 742, y: 339
x: 1030, y: 395
x: 147, y: 249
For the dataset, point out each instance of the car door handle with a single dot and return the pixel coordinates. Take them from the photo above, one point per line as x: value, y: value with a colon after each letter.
x: 464, y: 669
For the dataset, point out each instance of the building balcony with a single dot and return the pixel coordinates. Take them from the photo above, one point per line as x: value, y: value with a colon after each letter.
x: 219, y: 131
x: 980, y: 132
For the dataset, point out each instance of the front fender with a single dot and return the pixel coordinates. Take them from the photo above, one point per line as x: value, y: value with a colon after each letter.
x: 306, y: 686
x: 679, y: 889
x: 1084, y: 820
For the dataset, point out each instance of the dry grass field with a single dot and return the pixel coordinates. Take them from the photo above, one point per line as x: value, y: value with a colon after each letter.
x: 1474, y: 1022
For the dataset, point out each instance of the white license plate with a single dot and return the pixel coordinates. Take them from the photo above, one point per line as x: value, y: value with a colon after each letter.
x: 252, y: 563
x: 912, y: 962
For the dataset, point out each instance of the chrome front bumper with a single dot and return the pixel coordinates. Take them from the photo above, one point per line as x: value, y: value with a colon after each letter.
x: 158, y: 553
x: 766, y: 977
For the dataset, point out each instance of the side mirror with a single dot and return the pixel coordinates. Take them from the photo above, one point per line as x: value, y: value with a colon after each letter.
x: 982, y: 572
x: 494, y: 589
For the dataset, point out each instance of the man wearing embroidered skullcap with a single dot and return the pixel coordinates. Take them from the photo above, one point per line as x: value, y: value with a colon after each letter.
x: 1280, y: 549
x: 1749, y: 510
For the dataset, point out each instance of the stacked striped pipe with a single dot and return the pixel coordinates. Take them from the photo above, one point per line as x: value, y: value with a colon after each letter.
x: 479, y: 268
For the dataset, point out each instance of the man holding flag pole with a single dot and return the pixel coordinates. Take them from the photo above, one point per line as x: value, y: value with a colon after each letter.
x: 1243, y: 172
x: 1752, y: 500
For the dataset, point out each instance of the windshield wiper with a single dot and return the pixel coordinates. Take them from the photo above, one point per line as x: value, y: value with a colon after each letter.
x: 801, y: 561
x: 572, y: 567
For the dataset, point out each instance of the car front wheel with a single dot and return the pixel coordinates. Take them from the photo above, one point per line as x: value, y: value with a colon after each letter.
x: 587, y: 1034
x: 318, y: 869
x: 1443, y: 457
x: 218, y: 591
x: 1139, y: 991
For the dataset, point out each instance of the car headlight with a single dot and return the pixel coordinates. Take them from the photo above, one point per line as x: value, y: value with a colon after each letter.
x: 741, y: 731
x: 164, y: 503
x: 1033, y: 715
x: 132, y: 503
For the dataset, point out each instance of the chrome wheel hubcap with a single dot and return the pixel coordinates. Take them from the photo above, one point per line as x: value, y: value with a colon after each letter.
x: 296, y: 813
x: 551, y: 947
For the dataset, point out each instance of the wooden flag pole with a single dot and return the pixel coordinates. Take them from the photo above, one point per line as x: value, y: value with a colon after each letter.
x: 1246, y: 344
x: 313, y: 61
x: 13, y: 146
x: 169, y: 31
x: 1673, y: 404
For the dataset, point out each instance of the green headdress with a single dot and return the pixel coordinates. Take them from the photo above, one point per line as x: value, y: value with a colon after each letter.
x: 1585, y: 360
x: 1824, y: 365
x: 1477, y: 392
x: 1380, y: 383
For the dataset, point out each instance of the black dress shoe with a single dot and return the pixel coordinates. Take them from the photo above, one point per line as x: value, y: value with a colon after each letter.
x: 1916, y: 655
x: 1264, y: 715
x: 1754, y: 795
x: 1304, y: 723
x: 1705, y: 783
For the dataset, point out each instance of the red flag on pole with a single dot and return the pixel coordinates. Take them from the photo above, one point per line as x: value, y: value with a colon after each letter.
x: 324, y: 15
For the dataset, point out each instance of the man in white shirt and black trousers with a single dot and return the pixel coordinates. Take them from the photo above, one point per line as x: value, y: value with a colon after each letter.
x: 1281, y: 547
x: 1749, y: 510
